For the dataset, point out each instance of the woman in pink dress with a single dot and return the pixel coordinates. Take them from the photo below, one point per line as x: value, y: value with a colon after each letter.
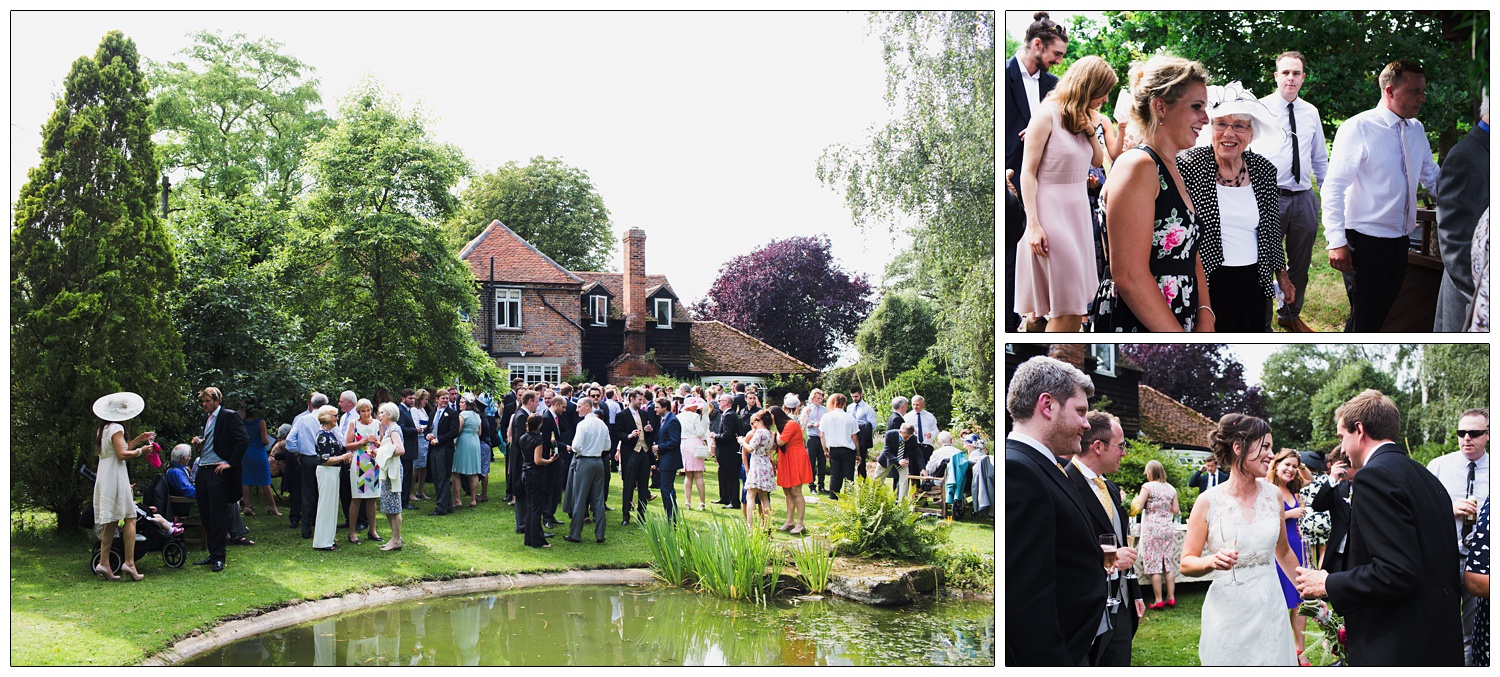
x: 1056, y: 274
x: 694, y: 442
x: 1157, y: 534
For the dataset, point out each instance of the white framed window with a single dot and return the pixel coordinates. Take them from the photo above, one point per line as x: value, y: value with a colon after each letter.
x: 507, y: 309
x: 1105, y: 354
x: 663, y: 313
x: 599, y: 309
x: 535, y: 372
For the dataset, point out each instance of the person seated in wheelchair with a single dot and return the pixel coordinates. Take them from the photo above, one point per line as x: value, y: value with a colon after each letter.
x: 937, y: 466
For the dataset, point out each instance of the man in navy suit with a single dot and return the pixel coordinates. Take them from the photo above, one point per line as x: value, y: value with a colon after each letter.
x: 409, y: 434
x: 1399, y: 593
x: 668, y: 449
x: 219, y: 471
x: 1054, y: 569
x: 440, y: 437
x: 1027, y: 82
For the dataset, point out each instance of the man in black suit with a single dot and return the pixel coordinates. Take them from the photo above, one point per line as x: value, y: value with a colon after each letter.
x: 562, y: 417
x: 220, y: 464
x: 634, y: 426
x: 409, y: 434
x: 899, y: 406
x: 1334, y: 500
x: 444, y: 430
x: 1027, y: 82
x: 1400, y: 595
x: 1102, y: 448
x: 1208, y: 476
x: 724, y: 429
x: 1463, y: 193
x: 508, y: 412
x: 1054, y: 570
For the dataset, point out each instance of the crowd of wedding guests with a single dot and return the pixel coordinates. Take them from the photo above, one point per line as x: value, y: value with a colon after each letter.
x: 1400, y: 550
x: 1194, y: 209
x: 343, y: 463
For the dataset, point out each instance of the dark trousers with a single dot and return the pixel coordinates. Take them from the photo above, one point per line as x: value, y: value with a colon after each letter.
x: 635, y: 472
x: 819, y: 465
x: 667, y: 467
x: 866, y: 442
x: 440, y: 466
x: 842, y: 459
x: 512, y: 470
x: 408, y: 458
x: 533, y: 487
x: 215, y: 492
x: 1113, y: 649
x: 291, y: 485
x: 1379, y: 270
x: 729, y: 474
x: 557, y: 481
x: 1239, y: 304
x: 308, y: 467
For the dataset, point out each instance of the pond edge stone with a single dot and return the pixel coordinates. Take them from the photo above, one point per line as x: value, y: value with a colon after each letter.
x: 302, y: 612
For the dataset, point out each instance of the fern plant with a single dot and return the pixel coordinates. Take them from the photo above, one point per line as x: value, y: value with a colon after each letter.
x: 870, y: 521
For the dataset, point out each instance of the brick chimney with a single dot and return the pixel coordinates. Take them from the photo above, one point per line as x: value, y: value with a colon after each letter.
x: 635, y: 291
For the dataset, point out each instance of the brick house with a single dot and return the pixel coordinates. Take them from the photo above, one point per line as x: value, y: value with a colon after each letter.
x: 544, y: 322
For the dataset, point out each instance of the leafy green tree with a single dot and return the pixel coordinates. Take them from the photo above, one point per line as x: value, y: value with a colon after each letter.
x: 551, y: 205
x: 1451, y: 378
x: 1348, y: 381
x: 924, y: 379
x: 376, y: 290
x: 1291, y: 377
x: 936, y: 162
x: 898, y: 333
x: 1345, y: 50
x: 90, y: 263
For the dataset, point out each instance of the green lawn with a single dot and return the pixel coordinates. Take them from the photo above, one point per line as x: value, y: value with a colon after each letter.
x: 62, y: 615
x: 1327, y: 305
x: 1170, y: 636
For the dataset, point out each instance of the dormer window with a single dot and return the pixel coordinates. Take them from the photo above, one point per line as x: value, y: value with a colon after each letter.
x: 1105, y: 354
x: 507, y: 308
x: 663, y: 313
x: 599, y: 309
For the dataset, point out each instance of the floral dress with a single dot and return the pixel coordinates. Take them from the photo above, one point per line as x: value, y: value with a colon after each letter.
x: 1158, y: 536
x: 1315, y: 525
x: 1173, y: 262
x: 1478, y: 562
x: 762, y: 476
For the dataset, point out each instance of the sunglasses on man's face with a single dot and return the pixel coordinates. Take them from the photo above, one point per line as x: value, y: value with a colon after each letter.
x: 1471, y: 434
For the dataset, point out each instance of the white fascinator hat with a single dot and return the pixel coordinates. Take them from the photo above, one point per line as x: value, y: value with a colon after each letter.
x: 121, y: 406
x: 1234, y: 99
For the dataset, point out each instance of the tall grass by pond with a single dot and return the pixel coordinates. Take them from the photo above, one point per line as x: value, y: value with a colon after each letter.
x: 814, y: 560
x: 726, y: 558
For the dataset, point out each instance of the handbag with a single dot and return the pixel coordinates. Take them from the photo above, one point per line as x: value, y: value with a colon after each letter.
x: 1101, y: 309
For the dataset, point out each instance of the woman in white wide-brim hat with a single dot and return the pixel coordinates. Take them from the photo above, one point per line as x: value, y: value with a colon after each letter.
x: 1239, y: 215
x: 113, y: 500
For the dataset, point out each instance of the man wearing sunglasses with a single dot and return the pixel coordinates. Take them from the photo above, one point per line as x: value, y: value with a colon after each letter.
x: 1466, y: 475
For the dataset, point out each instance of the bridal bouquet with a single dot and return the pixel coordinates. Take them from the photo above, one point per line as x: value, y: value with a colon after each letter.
x: 1335, y: 640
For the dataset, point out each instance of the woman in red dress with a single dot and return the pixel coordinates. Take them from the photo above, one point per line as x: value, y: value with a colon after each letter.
x: 794, y: 469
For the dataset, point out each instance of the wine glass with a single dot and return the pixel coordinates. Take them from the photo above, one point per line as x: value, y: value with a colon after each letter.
x: 1229, y: 534
x: 1109, y: 545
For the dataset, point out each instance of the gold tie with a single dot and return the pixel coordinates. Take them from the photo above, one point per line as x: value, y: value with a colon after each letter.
x: 1109, y: 505
x: 1059, y: 467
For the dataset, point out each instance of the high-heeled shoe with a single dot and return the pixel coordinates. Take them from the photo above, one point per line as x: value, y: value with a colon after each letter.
x: 104, y: 573
x: 134, y: 575
x: 1172, y: 603
x: 275, y: 512
x: 702, y: 506
x: 1302, y: 660
x: 1158, y: 606
x: 374, y: 537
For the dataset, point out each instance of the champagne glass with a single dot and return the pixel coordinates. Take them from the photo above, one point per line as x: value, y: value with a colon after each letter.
x: 1130, y: 541
x: 1229, y: 535
x: 1109, y: 545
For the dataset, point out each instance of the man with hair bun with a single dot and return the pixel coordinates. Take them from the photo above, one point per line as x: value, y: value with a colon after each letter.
x: 1054, y: 569
x: 1027, y: 82
x: 1400, y: 594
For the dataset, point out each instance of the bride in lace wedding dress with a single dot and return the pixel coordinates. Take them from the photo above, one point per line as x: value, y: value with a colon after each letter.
x: 1244, y: 615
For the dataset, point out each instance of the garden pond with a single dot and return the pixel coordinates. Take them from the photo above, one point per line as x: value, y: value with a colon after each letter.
x: 618, y: 625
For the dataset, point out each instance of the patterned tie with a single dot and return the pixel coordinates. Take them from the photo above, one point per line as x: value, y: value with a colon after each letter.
x: 1291, y: 117
x: 208, y: 433
x: 1109, y: 505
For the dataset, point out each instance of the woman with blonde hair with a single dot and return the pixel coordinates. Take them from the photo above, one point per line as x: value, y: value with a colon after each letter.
x: 364, y: 484
x: 1155, y: 279
x: 1055, y: 268
x: 1159, y: 504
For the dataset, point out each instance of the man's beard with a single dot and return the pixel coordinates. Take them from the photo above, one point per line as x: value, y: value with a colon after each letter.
x: 1038, y: 65
x: 1064, y: 442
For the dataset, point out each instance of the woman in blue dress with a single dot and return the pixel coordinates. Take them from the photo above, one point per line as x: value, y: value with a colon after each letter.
x: 257, y: 464
x: 1286, y: 474
x: 466, y: 451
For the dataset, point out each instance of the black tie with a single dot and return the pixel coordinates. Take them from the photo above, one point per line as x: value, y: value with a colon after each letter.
x: 1469, y: 492
x: 1296, y: 154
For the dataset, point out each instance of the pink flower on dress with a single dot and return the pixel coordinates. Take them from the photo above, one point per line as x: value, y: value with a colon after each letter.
x: 1169, y: 289
x: 1175, y: 235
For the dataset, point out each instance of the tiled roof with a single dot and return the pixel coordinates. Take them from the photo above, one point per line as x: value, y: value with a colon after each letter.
x: 615, y: 283
x: 720, y: 348
x: 515, y: 259
x: 1167, y: 421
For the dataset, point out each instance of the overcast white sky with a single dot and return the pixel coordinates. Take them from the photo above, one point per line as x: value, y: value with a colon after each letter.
x: 702, y: 128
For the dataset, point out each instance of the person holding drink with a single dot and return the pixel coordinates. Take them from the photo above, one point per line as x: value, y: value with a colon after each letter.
x: 1241, y: 522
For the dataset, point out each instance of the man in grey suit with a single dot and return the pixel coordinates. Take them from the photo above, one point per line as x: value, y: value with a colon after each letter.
x: 1463, y: 193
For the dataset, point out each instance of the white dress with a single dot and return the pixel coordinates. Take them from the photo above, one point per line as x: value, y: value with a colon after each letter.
x: 113, y: 500
x: 1246, y: 624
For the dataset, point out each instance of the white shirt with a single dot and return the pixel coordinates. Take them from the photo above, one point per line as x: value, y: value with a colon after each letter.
x: 1033, y: 85
x: 1366, y: 189
x: 839, y: 429
x: 938, y: 456
x: 1312, y: 146
x: 1238, y: 217
x: 929, y: 429
x: 591, y: 438
x: 1031, y: 442
x: 1453, y: 471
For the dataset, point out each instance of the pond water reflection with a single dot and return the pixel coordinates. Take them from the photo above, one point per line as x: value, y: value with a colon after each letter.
x: 612, y: 625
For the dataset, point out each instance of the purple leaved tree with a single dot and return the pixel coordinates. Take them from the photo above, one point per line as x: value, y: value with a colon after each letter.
x: 791, y: 294
x: 1203, y: 376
